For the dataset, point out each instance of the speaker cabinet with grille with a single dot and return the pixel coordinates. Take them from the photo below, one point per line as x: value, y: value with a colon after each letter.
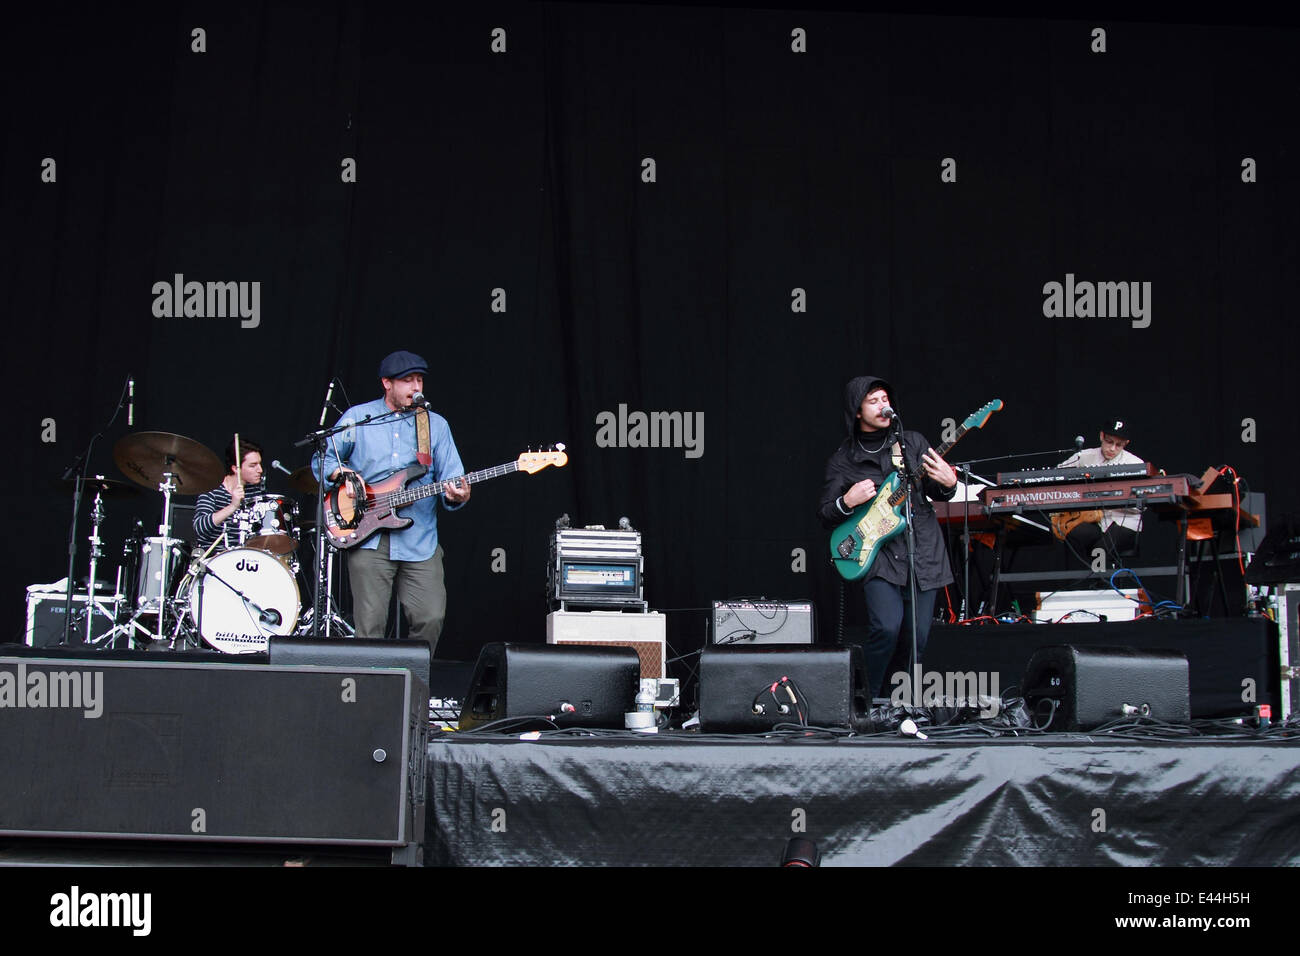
x: 233, y: 753
x: 1085, y: 687
x: 644, y: 633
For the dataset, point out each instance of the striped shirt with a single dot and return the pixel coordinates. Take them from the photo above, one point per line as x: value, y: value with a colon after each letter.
x: 210, y: 502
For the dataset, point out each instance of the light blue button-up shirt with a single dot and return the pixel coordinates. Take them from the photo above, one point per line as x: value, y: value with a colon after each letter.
x: 377, y: 450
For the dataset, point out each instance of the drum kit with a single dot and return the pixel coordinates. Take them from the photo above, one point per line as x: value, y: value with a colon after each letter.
x: 176, y: 597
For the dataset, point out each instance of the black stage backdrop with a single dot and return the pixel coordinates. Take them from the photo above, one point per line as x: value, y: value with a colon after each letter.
x: 830, y: 193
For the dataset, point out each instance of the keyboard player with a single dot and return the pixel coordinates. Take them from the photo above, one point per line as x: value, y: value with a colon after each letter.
x: 1117, y: 529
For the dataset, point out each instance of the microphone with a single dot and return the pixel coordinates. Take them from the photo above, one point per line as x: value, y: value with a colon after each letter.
x: 624, y: 524
x: 887, y: 413
x: 324, y: 409
x: 419, y: 401
x: 279, y: 467
x: 1078, y: 443
x: 130, y: 409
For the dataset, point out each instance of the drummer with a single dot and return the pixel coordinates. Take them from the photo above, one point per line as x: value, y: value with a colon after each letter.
x: 214, y: 508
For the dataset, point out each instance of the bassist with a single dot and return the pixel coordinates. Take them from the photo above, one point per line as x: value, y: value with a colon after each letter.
x: 409, y: 559
x: 853, y: 473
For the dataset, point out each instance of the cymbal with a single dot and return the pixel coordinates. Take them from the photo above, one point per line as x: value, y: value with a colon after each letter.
x: 108, y: 487
x: 145, y: 456
x: 303, y: 480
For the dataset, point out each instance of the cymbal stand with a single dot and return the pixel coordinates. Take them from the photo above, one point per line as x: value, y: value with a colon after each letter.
x: 92, y: 606
x: 158, y: 634
x: 166, y: 486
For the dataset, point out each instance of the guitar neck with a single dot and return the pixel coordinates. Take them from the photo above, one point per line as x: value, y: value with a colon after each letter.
x: 896, y: 498
x: 408, y: 495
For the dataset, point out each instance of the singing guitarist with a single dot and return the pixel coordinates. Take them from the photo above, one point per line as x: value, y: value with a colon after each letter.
x: 410, y: 559
x: 853, y: 473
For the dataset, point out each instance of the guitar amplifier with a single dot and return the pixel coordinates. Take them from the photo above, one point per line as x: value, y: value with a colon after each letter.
x: 762, y: 622
x: 644, y: 633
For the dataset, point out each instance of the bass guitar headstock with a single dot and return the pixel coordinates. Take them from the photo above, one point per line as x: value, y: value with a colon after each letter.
x: 534, y: 461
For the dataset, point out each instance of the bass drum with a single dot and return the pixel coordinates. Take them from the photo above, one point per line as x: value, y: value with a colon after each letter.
x: 222, y: 618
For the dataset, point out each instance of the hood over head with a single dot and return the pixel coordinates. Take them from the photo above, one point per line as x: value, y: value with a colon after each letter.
x: 855, y: 391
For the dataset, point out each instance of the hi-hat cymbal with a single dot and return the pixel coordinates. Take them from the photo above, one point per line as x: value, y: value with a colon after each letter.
x: 108, y: 487
x: 303, y: 480
x: 146, y: 457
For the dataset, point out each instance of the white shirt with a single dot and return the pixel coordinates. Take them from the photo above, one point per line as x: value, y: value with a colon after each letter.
x: 1129, y: 518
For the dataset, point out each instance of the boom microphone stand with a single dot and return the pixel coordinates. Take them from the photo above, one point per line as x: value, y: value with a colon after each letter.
x: 77, y: 471
x: 319, y: 441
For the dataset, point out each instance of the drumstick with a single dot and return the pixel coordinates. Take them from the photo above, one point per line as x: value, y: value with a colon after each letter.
x: 239, y: 463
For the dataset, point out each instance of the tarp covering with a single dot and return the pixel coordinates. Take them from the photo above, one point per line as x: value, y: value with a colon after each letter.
x: 686, y: 800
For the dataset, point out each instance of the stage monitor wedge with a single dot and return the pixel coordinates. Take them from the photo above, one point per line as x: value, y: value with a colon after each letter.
x: 571, y: 685
x: 829, y: 687
x: 1081, y: 688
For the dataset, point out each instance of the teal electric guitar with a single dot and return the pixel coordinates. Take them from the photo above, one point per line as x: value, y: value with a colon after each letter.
x: 855, y: 543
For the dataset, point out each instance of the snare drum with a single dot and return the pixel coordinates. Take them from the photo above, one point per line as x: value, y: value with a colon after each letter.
x: 221, y: 616
x: 162, y: 564
x: 268, y: 522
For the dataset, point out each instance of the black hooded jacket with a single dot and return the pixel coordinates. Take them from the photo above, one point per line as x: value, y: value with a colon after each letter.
x: 852, y: 462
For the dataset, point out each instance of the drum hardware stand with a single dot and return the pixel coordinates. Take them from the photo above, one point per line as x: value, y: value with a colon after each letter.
x: 334, y: 617
x: 96, y: 552
x: 77, y: 470
x: 166, y: 486
x: 334, y: 620
x: 158, y: 636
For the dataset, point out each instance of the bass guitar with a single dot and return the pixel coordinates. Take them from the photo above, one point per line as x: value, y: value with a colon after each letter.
x: 856, y: 542
x: 355, y: 509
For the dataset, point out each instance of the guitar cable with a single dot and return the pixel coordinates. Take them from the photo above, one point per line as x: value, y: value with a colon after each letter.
x: 797, y: 699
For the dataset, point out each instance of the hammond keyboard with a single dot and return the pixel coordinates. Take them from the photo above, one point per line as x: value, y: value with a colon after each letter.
x: 1168, y: 490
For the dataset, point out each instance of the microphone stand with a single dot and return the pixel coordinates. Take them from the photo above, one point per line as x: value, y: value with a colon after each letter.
x: 77, y: 470
x: 318, y: 440
x: 909, y: 484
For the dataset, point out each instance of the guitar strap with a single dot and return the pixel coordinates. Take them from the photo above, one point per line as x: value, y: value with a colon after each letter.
x: 422, y: 437
x: 897, y: 455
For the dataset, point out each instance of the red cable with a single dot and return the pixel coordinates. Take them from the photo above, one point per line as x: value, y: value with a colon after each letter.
x: 1236, y: 515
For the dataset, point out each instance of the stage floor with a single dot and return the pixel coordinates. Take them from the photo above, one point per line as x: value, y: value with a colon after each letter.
x: 684, y: 799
